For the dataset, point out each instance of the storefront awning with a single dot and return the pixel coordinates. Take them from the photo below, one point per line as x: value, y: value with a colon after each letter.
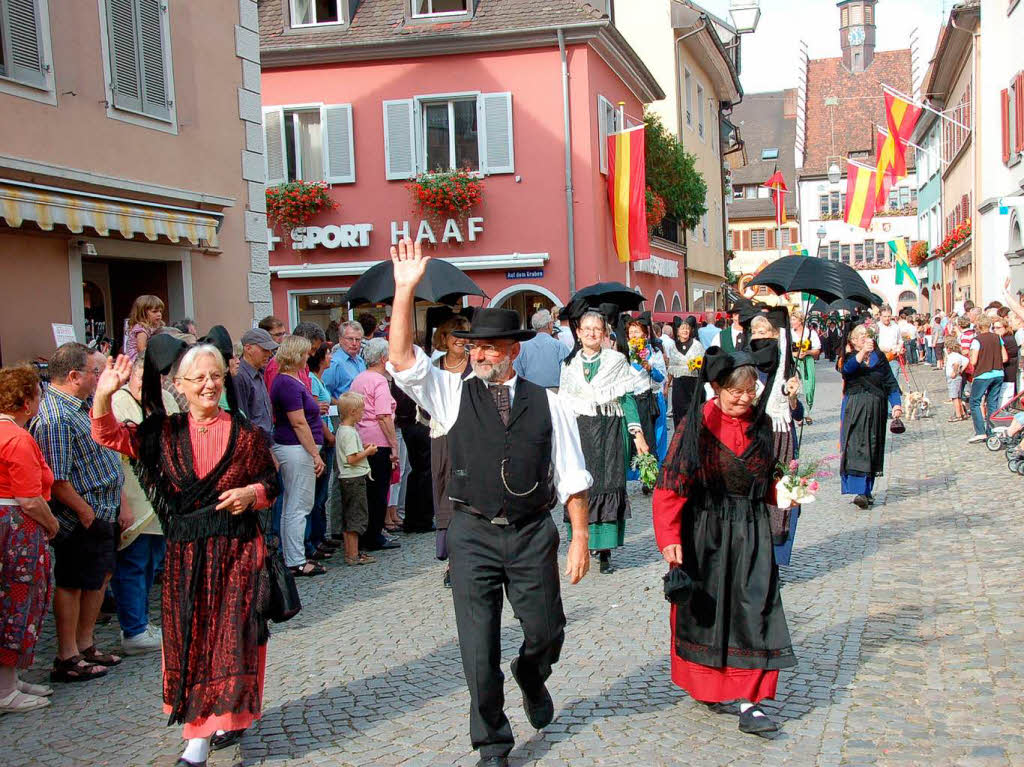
x: 48, y: 207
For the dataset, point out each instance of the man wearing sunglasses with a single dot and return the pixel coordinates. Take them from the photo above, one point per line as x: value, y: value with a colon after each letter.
x: 515, y: 453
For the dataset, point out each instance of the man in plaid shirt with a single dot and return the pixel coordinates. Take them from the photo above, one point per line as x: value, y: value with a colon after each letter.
x: 87, y: 502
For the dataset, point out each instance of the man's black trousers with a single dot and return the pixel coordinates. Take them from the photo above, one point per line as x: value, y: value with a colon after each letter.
x: 487, y: 559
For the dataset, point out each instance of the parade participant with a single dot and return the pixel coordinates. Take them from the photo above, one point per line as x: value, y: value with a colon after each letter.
x: 807, y: 351
x: 145, y: 319
x: 648, y: 363
x: 455, y: 361
x: 890, y: 343
x: 597, y: 384
x: 735, y: 336
x: 207, y: 471
x: 682, y: 372
x: 729, y: 637
x: 514, y: 451
x: 784, y: 408
x: 869, y: 389
x: 26, y: 523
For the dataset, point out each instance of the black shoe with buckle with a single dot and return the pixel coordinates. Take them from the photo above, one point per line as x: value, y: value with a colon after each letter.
x: 540, y: 710
x: 754, y: 721
x: 493, y: 761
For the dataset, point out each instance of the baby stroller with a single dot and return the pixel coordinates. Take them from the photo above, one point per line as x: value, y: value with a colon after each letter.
x: 1001, y: 420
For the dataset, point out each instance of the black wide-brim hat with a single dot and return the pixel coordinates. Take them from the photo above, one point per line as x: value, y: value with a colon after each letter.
x: 496, y: 324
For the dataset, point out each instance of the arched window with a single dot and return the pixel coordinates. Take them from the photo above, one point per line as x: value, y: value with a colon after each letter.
x: 677, y: 303
x: 659, y: 302
x: 907, y: 295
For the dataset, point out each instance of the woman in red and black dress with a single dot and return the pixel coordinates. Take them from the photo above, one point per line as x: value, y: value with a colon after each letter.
x: 729, y: 638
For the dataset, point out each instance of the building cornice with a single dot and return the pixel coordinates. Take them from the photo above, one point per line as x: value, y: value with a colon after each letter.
x: 606, y: 40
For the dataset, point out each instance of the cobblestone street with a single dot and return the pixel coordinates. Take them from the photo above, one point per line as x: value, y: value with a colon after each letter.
x: 907, y: 620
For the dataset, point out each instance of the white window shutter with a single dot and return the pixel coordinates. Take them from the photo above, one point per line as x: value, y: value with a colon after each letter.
x: 26, y: 64
x: 273, y: 145
x: 124, y: 54
x: 399, y: 140
x: 339, y: 157
x: 494, y: 122
x: 152, y: 59
x: 603, y: 129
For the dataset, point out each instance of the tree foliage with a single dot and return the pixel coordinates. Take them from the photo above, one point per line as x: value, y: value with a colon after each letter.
x: 672, y: 173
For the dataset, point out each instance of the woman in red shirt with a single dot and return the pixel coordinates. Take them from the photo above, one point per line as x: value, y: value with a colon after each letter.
x: 26, y: 524
x: 729, y: 637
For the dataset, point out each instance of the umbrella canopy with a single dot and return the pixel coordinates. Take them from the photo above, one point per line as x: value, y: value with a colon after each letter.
x: 876, y: 299
x: 843, y: 304
x: 442, y: 283
x: 800, y: 274
x: 616, y: 293
x: 853, y: 284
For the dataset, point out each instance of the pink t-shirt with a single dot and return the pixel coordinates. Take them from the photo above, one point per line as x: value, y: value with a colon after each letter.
x: 377, y: 400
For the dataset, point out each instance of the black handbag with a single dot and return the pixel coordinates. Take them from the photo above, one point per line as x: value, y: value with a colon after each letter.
x: 284, y: 602
x: 678, y: 586
x: 896, y: 426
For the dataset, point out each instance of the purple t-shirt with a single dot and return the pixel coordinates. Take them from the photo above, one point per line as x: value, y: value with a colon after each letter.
x: 287, y: 395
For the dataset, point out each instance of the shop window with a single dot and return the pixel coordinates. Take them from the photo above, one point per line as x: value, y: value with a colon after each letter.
x: 22, y: 57
x: 700, y: 111
x: 321, y: 308
x: 757, y: 239
x: 308, y: 13
x: 309, y: 144
x: 139, y: 56
x: 471, y: 132
x: 610, y: 120
x: 438, y: 7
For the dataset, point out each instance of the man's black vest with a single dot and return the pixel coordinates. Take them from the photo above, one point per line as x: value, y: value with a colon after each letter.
x: 497, y: 468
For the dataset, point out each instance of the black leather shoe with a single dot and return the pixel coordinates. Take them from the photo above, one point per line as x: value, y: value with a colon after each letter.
x: 540, y: 710
x: 757, y: 725
x: 183, y: 762
x: 493, y: 761
x: 861, y: 502
x: 229, y: 738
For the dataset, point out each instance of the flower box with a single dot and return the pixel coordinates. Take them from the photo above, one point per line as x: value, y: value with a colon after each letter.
x: 296, y: 203
x: 446, y: 194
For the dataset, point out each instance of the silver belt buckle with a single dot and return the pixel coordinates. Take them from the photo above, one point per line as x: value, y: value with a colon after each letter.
x: 500, y: 521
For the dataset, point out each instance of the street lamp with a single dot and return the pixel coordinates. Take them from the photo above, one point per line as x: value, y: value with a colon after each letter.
x: 744, y: 15
x: 834, y: 173
x: 821, y: 238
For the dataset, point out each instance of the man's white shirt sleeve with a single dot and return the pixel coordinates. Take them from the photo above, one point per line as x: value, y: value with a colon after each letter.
x: 571, y: 475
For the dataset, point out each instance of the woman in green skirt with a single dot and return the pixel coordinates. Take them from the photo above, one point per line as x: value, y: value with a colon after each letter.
x: 597, y: 383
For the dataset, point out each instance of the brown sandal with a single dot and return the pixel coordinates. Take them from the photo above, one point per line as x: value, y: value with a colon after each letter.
x: 92, y: 655
x: 75, y: 669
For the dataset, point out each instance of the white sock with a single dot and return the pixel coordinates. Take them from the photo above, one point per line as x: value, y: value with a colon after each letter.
x: 746, y: 706
x: 197, y: 751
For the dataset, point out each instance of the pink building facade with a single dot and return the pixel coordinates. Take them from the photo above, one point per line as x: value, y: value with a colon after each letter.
x: 370, y: 126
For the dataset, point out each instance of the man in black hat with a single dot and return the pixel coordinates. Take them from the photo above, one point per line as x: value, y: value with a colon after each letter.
x: 515, y: 452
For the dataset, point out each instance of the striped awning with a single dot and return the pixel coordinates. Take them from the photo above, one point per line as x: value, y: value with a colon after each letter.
x: 104, y: 215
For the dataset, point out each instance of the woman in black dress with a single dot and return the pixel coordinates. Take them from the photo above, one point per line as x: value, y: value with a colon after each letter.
x: 678, y: 357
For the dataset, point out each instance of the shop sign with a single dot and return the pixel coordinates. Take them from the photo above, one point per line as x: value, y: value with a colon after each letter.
x: 358, y: 235
x: 524, y: 274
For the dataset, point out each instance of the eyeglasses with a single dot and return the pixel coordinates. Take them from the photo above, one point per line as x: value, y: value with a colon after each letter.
x: 591, y: 331
x: 201, y: 380
x: 740, y: 393
x: 94, y: 371
x: 484, y: 348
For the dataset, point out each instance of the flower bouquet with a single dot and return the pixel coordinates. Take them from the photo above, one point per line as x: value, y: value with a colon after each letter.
x: 639, y: 351
x: 695, y: 364
x: 647, y: 466
x: 802, y: 346
x: 799, y: 481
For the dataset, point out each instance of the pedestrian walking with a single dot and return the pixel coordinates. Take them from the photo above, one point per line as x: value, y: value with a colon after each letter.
x: 514, y: 451
x: 645, y: 355
x: 540, y: 358
x: 869, y: 389
x: 597, y: 385
x: 683, y: 370
x: 807, y: 349
x: 208, y: 472
x: 26, y: 524
x: 711, y: 521
x: 87, y: 503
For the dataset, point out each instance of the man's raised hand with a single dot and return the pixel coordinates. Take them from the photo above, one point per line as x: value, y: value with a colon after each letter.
x: 409, y: 262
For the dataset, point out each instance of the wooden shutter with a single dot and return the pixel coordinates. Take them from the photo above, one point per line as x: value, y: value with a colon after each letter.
x: 1019, y: 106
x: 965, y: 207
x: 746, y: 239
x: 770, y: 239
x: 1004, y: 111
x: 494, y: 121
x: 399, y: 140
x: 152, y: 59
x: 602, y: 132
x: 26, y: 48
x: 124, y: 55
x: 339, y: 154
x: 274, y: 156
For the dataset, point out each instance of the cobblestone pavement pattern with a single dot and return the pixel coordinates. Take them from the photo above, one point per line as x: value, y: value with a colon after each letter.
x: 907, y: 620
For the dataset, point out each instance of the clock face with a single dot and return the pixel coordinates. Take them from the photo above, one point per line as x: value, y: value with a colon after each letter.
x: 856, y: 35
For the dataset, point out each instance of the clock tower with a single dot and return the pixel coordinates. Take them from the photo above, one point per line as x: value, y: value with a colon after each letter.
x: 857, y: 33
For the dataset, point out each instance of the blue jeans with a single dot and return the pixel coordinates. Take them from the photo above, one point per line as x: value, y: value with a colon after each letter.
x: 929, y: 355
x: 991, y: 390
x: 137, y: 563
x: 316, y: 522
x: 276, y: 508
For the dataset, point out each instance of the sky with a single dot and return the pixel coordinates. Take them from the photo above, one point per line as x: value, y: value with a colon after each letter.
x: 770, y: 56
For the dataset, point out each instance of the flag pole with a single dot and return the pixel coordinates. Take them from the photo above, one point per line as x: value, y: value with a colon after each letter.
x: 918, y: 147
x: 622, y: 122
x: 922, y: 105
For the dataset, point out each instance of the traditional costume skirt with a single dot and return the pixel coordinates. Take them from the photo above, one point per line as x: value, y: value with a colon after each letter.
x: 805, y: 369
x: 780, y: 519
x: 603, y: 439
x: 682, y: 392
x: 26, y: 585
x: 862, y: 440
x: 731, y: 638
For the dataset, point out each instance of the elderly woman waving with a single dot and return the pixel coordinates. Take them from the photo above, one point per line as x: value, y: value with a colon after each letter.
x: 207, y: 471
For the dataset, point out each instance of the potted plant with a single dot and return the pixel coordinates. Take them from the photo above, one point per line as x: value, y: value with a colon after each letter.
x: 957, y: 237
x: 446, y: 194
x: 919, y: 253
x: 656, y: 209
x: 296, y: 203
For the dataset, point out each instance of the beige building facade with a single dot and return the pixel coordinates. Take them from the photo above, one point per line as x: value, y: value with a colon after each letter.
x: 131, y: 162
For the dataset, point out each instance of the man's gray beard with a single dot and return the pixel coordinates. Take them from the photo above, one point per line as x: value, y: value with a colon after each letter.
x: 498, y: 371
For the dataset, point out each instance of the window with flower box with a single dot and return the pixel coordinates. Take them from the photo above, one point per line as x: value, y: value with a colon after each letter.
x: 309, y: 143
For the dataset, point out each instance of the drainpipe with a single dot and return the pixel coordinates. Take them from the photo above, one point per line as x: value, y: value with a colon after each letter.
x: 567, y: 120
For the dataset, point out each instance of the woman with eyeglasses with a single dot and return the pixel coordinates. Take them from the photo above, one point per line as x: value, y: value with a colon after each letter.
x: 711, y: 521
x: 597, y: 384
x: 207, y: 472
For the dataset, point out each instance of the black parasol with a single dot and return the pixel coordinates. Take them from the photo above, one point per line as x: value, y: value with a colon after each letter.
x: 616, y: 293
x: 802, y: 274
x: 442, y: 283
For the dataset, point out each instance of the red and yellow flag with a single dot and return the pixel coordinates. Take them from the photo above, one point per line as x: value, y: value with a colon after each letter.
x: 860, y: 195
x: 627, y: 194
x: 778, y: 186
x: 888, y: 171
x: 901, y: 117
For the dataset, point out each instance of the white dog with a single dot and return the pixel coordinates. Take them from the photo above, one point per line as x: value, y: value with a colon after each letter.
x: 918, y: 405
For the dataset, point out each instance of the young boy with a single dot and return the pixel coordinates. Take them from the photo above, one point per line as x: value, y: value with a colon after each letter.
x: 348, y: 496
x: 955, y: 364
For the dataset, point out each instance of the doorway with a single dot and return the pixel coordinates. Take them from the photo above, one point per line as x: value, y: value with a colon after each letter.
x: 527, y: 303
x: 110, y: 287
